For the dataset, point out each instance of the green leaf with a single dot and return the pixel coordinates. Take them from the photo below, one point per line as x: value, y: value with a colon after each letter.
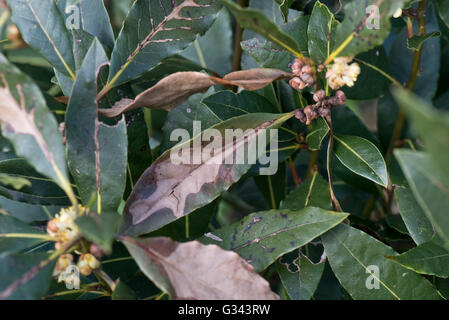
x: 443, y: 10
x: 284, y: 5
x: 43, y: 28
x: 300, y: 276
x: 361, y: 157
x: 322, y: 24
x: 273, y: 187
x: 147, y: 39
x: 123, y: 292
x: 418, y: 225
x: 100, y: 229
x: 374, y: 67
x: 428, y: 187
x: 26, y: 212
x: 16, y: 182
x: 93, y: 18
x: 358, y: 31
x: 15, y: 266
x: 263, y: 237
x: 40, y: 190
x: 401, y: 58
x: 429, y: 258
x: 256, y: 21
x: 353, y: 254
x: 30, y: 126
x: 97, y: 152
x: 164, y: 193
x: 415, y: 42
x: 16, y: 235
x: 426, y: 119
x: 313, y: 192
x: 319, y: 131
x: 213, y: 51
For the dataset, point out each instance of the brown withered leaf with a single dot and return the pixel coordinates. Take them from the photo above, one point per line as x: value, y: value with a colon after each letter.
x: 178, y: 87
x: 169, y: 190
x: 255, y: 79
x: 166, y: 94
x: 192, y: 270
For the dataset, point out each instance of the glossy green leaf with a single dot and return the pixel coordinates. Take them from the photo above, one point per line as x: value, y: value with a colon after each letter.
x: 443, y: 10
x: 41, y: 190
x: 15, y: 266
x: 426, y: 119
x: 284, y: 5
x: 27, y: 212
x: 164, y: 193
x: 313, y: 192
x: 322, y: 25
x: 418, y: 225
x: 401, y: 58
x: 428, y: 258
x: 43, y: 28
x: 263, y: 237
x: 354, y: 255
x: 361, y: 157
x: 319, y: 132
x: 123, y: 292
x: 100, y: 229
x: 97, y: 152
x: 428, y: 187
x: 416, y: 42
x: 93, y: 19
x: 16, y: 235
x: 256, y: 21
x: 146, y: 39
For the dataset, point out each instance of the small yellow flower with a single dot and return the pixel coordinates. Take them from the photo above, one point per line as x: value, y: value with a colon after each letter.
x: 342, y: 73
x: 63, y: 227
x: 63, y: 263
x: 87, y: 263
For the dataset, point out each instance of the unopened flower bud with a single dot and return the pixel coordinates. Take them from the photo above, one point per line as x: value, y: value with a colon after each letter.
x: 88, y: 263
x: 297, y: 83
x: 96, y: 250
x: 319, y: 95
x: 52, y: 227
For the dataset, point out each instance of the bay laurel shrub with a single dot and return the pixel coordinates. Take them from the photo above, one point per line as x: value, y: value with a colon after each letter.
x: 110, y: 187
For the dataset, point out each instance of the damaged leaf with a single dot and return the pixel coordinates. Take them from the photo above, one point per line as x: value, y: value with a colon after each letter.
x: 97, y: 152
x: 263, y: 237
x: 154, y: 30
x: 30, y: 126
x: 166, y: 94
x: 171, y: 189
x: 192, y: 270
x: 255, y: 79
x: 176, y: 88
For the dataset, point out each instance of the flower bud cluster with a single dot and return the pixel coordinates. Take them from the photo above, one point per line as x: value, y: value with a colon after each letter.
x: 304, y: 74
x: 322, y: 108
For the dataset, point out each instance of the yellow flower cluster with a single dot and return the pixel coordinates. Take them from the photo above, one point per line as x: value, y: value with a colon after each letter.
x: 342, y: 73
x: 63, y: 227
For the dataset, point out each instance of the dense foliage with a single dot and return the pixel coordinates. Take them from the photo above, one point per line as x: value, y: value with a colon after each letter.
x: 114, y: 119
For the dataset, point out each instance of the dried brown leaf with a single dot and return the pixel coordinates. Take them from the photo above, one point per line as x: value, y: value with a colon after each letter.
x: 178, y: 87
x: 192, y: 270
x: 255, y: 79
x: 166, y: 94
